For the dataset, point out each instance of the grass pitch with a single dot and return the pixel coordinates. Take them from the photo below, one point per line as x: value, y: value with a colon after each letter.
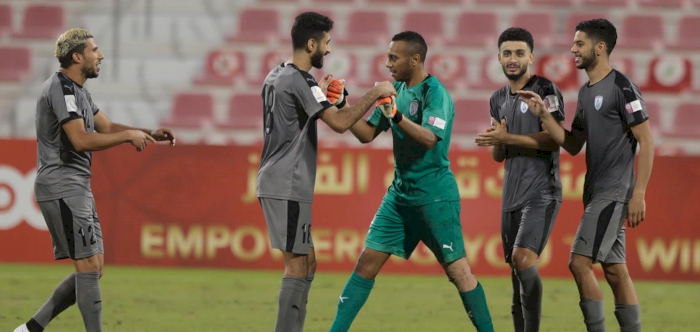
x: 174, y: 300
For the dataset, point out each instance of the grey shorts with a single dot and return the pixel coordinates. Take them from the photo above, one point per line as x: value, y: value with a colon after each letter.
x: 74, y: 227
x: 601, y: 233
x: 288, y: 224
x: 528, y: 227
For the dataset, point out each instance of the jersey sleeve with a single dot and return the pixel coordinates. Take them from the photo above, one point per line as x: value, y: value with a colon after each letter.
x: 630, y: 103
x: 577, y: 124
x: 553, y: 100
x: 493, y: 105
x: 61, y: 100
x: 309, y: 94
x: 437, y: 111
x: 378, y: 120
x: 93, y: 107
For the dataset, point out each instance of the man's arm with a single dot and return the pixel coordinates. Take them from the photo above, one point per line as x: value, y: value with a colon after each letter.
x: 420, y: 134
x: 498, y: 152
x: 538, y: 141
x: 340, y: 120
x: 105, y: 126
x: 572, y: 141
x: 642, y: 133
x: 94, y: 141
x: 365, y: 131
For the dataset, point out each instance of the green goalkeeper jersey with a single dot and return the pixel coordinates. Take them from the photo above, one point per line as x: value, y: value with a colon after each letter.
x: 422, y: 176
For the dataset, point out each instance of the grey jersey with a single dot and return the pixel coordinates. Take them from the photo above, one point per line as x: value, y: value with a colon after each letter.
x: 529, y: 174
x: 61, y: 170
x: 292, y: 101
x: 605, y: 113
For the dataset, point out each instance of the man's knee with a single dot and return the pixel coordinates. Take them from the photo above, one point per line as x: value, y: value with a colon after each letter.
x: 458, y: 271
x: 580, y: 265
x: 88, y: 264
x: 523, y: 259
x: 370, y: 263
x: 295, y: 265
x: 615, y: 273
x: 311, y: 261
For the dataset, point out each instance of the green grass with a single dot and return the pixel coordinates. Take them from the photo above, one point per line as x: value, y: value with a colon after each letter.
x: 160, y: 299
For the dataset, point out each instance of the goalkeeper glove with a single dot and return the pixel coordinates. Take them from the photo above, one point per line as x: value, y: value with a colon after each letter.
x: 336, y: 93
x: 388, y: 107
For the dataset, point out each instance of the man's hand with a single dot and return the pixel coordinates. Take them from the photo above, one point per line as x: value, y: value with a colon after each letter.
x: 325, y: 82
x: 636, y: 211
x: 385, y: 89
x: 139, y: 139
x: 494, y: 135
x: 534, y: 102
x: 336, y: 92
x: 388, y: 106
x: 164, y: 134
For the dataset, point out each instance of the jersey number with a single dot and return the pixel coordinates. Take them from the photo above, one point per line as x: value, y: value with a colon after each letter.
x: 268, y: 97
x: 306, y: 233
x: 92, y: 235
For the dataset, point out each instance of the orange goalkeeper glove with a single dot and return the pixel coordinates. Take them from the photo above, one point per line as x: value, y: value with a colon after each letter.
x: 336, y: 93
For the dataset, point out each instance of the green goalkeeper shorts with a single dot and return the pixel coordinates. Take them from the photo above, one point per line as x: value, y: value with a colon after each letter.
x: 397, y: 229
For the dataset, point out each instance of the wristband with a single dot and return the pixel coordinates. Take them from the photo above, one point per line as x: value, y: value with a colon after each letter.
x: 397, y: 118
x: 342, y: 104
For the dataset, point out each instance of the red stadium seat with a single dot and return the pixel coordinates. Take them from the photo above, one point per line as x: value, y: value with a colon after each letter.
x: 606, y: 3
x: 386, y: 2
x: 5, y: 19
x: 429, y: 24
x: 334, y: 1
x: 476, y: 30
x: 496, y: 2
x: 654, y: 112
x: 378, y: 71
x: 441, y: 1
x: 686, y: 121
x: 222, y: 68
x: 491, y: 75
x: 688, y: 36
x: 552, y: 2
x: 42, y: 22
x: 367, y: 27
x: 269, y: 61
x: 566, y: 39
x: 340, y: 64
x: 661, y: 3
x: 540, y: 25
x: 244, y: 112
x: 669, y: 74
x: 449, y: 68
x: 16, y: 63
x: 472, y: 116
x: 256, y: 25
x: 191, y: 110
x: 641, y: 32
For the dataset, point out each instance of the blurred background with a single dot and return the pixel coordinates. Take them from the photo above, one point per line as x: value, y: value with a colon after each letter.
x: 171, y: 214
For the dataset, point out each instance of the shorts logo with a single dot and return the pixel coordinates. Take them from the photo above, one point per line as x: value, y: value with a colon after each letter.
x: 598, y: 102
x: 523, y: 107
x: 413, y: 108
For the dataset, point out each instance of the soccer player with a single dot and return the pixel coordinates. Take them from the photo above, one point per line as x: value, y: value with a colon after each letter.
x: 69, y: 126
x: 531, y: 185
x: 422, y: 203
x: 292, y: 102
x: 611, y: 119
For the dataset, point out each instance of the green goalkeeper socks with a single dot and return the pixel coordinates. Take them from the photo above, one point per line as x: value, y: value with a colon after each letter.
x: 475, y: 304
x: 352, y: 299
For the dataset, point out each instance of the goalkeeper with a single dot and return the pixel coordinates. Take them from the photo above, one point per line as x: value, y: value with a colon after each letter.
x: 422, y: 203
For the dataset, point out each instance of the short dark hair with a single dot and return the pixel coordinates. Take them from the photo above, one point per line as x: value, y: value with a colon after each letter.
x: 415, y: 42
x: 517, y: 34
x: 309, y: 25
x: 598, y: 30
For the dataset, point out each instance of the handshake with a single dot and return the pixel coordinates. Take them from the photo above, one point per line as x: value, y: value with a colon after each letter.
x: 336, y: 94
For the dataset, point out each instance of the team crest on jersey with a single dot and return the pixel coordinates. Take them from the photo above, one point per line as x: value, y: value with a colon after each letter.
x: 413, y: 108
x: 598, y: 102
x: 523, y: 107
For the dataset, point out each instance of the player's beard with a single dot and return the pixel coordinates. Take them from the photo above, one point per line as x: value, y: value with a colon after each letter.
x: 587, y: 61
x: 317, y: 59
x: 89, y: 72
x: 517, y: 75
